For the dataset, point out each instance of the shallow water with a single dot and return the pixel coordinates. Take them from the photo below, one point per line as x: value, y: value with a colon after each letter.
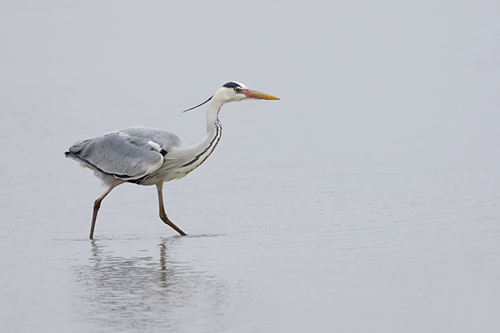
x: 370, y: 254
x: 365, y: 201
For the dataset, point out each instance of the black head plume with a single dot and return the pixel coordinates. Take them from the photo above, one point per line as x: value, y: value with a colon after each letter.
x: 194, y: 107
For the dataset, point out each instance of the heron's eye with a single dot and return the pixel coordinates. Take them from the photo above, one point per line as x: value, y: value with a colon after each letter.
x: 236, y: 89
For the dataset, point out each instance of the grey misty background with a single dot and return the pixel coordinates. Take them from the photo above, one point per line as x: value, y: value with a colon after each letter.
x: 377, y: 79
x: 366, y: 199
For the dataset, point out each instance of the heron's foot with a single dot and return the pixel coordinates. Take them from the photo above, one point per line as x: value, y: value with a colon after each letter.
x: 166, y: 220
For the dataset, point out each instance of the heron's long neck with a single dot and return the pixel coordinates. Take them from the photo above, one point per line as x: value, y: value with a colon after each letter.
x: 202, y: 150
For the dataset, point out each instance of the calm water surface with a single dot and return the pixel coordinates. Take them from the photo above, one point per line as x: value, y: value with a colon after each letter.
x: 349, y: 248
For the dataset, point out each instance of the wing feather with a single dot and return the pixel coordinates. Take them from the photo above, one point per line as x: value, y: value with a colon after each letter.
x: 118, y: 154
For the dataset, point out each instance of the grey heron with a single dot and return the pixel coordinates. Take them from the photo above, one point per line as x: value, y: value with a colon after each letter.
x: 149, y: 156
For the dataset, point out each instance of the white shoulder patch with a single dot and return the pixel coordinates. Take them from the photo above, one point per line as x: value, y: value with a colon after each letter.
x: 155, y: 146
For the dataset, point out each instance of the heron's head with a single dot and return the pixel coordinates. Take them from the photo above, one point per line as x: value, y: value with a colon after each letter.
x: 234, y: 92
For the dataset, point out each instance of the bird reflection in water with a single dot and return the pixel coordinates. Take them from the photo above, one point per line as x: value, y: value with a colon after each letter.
x: 163, y: 265
x: 144, y: 292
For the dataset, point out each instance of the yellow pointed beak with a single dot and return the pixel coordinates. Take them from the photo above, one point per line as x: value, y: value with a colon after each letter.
x: 257, y: 94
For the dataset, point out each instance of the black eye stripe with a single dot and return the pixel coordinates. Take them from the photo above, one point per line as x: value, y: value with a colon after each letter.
x: 232, y: 85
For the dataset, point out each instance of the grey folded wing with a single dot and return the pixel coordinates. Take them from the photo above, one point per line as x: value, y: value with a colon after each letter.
x: 119, y: 154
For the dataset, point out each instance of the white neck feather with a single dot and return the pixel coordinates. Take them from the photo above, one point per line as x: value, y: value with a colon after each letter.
x: 198, y: 153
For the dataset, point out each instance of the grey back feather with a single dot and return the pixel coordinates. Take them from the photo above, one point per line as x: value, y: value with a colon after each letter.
x: 126, y: 154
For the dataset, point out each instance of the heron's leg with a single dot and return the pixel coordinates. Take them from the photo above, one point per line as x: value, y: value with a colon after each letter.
x: 97, y: 205
x: 163, y: 215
